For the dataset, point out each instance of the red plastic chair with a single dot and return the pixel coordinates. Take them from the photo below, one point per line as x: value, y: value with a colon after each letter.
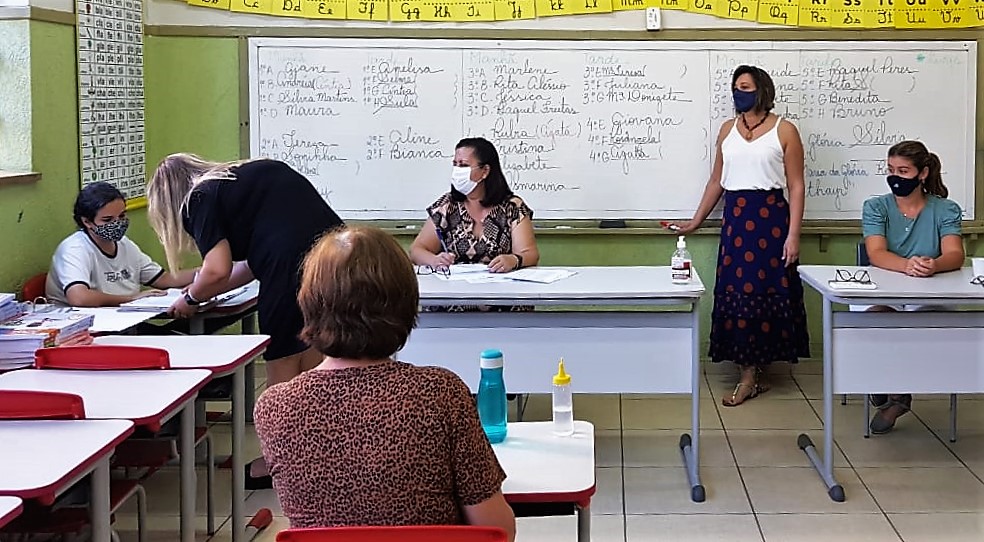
x: 409, y: 533
x: 34, y: 287
x: 51, y: 405
x: 102, y: 358
x: 40, y: 405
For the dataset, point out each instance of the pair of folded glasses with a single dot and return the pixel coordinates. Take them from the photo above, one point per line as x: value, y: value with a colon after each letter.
x: 978, y: 280
x: 424, y: 270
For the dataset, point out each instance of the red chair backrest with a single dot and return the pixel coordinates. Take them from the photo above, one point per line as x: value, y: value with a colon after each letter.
x: 102, y: 358
x: 40, y: 405
x: 34, y: 287
x: 410, y: 533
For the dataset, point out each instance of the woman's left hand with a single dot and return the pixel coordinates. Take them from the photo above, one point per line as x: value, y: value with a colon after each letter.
x: 791, y: 250
x: 503, y: 263
x: 181, y: 309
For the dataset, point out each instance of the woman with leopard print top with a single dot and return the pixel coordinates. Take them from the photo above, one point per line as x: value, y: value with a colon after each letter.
x: 364, y: 439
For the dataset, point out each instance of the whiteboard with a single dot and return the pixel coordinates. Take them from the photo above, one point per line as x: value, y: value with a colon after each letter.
x: 598, y: 129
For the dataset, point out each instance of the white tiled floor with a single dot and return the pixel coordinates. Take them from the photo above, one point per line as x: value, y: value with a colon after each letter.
x: 911, y: 485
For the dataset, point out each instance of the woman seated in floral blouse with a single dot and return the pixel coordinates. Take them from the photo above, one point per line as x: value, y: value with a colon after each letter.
x: 480, y: 220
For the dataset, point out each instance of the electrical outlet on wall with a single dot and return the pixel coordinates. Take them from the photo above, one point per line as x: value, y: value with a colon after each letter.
x: 654, y: 19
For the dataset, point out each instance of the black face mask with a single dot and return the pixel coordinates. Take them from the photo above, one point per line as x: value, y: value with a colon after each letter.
x: 901, y: 186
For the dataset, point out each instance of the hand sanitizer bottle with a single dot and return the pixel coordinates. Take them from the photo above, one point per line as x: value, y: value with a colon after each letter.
x: 681, y: 264
x: 563, y: 403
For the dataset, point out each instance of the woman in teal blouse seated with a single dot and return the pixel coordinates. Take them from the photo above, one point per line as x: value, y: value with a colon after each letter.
x: 914, y: 230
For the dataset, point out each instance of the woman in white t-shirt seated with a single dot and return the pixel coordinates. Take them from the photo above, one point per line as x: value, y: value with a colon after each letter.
x: 98, y: 266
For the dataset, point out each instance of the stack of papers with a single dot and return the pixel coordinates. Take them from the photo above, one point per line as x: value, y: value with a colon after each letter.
x: 851, y: 285
x: 9, y: 307
x: 20, y: 337
x: 161, y: 303
x: 17, y: 351
x: 479, y: 274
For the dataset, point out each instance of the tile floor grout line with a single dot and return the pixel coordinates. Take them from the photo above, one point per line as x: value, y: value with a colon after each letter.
x: 741, y: 477
x: 941, y: 441
x: 854, y: 469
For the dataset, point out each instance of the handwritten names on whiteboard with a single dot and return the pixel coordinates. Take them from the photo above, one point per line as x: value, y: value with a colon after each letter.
x: 111, y: 93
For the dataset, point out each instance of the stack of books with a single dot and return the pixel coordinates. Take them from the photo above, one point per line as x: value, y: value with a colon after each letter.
x: 21, y: 336
x: 9, y: 307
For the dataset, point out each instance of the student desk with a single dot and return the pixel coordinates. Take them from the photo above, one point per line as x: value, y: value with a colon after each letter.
x: 146, y: 398
x: 223, y: 355
x: 895, y: 352
x: 605, y: 350
x: 41, y: 459
x: 547, y: 469
x: 10, y: 508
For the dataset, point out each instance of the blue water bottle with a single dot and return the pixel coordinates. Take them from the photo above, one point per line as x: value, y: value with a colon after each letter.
x: 492, y: 406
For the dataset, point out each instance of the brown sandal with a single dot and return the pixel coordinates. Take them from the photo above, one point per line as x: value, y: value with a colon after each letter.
x: 756, y: 390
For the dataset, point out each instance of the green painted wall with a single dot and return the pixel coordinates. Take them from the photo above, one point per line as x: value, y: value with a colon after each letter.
x: 192, y: 104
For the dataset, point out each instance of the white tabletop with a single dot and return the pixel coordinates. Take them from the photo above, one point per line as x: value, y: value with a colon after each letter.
x: 39, y: 458
x: 539, y: 463
x: 590, y: 283
x: 954, y: 287
x: 217, y: 353
x: 10, y: 508
x: 248, y: 296
x: 146, y: 397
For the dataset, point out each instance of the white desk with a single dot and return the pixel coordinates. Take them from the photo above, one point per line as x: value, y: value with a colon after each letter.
x: 10, y: 508
x: 41, y: 459
x: 544, y: 468
x: 146, y: 398
x: 221, y: 354
x: 888, y: 352
x: 605, y: 351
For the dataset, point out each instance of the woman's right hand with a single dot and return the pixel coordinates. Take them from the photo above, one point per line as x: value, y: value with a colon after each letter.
x: 442, y: 259
x: 683, y: 227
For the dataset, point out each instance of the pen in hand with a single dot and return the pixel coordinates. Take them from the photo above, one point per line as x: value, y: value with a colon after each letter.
x: 444, y: 248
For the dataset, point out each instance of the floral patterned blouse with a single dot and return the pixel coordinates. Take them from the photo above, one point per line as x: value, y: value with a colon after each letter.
x: 457, y: 226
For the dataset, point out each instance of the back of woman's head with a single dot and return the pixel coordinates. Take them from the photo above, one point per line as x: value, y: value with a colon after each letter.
x: 496, y: 188
x: 358, y: 294
x: 917, y: 153
x: 167, y: 194
x: 91, y: 198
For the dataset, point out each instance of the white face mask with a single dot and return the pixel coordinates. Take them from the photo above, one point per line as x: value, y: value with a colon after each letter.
x: 461, y: 180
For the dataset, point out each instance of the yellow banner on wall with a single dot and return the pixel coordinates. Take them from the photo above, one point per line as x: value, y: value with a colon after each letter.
x: 261, y: 7
x: 507, y: 10
x: 214, y: 4
x: 367, y: 10
x: 816, y: 13
x: 744, y: 10
x: 551, y: 8
x: 785, y: 12
x: 847, y: 14
x: 472, y: 10
x: 708, y: 7
x: 674, y: 4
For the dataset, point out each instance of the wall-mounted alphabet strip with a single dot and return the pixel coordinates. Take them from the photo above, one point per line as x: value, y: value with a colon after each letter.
x: 913, y: 14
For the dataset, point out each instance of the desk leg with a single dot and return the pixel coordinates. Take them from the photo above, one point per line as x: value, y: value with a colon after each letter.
x: 196, y: 326
x: 249, y: 324
x: 188, y: 481
x: 238, y: 428
x: 99, y: 507
x: 249, y: 393
x: 826, y: 471
x: 690, y: 444
x: 584, y: 523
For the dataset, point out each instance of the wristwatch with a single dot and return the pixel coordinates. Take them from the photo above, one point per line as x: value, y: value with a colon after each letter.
x: 519, y: 261
x: 189, y: 299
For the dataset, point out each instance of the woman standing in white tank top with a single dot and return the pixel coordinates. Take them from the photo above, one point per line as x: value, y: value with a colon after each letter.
x: 758, y: 315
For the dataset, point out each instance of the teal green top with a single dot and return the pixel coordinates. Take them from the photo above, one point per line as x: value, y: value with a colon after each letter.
x: 907, y: 237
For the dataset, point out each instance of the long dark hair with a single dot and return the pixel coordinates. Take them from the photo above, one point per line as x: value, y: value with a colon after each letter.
x: 765, y: 89
x: 496, y: 189
x: 919, y: 155
x: 93, y: 197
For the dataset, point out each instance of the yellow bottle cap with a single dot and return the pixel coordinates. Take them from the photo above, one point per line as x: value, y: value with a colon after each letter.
x: 561, y: 378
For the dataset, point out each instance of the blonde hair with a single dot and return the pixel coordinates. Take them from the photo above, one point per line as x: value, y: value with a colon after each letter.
x: 167, y: 198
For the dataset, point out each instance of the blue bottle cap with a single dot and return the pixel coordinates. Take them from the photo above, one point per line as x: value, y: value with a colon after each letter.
x: 491, y: 353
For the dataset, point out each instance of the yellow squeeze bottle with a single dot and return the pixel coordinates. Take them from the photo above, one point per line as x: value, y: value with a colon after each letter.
x: 563, y: 402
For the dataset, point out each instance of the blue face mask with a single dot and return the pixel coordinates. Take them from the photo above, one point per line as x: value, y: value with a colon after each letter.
x: 744, y: 100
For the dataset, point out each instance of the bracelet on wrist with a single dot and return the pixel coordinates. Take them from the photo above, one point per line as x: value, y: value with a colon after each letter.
x: 190, y: 299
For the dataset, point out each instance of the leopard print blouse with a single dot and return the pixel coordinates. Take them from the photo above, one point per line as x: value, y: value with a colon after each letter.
x: 389, y: 444
x: 458, y: 227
